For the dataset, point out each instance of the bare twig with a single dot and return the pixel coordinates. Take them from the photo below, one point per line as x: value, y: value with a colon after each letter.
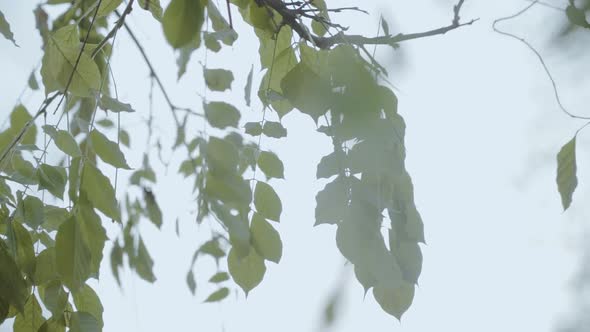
x: 113, y: 31
x: 539, y: 56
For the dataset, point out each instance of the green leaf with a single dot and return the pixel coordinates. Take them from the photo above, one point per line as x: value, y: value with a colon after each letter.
x: 13, y: 287
x: 576, y: 16
x: 31, y: 318
x: 394, y: 301
x: 218, y: 21
x: 274, y: 129
x: 567, y: 180
x: 25, y: 172
x: 54, y: 216
x: 218, y: 295
x: 111, y: 104
x: 86, y: 300
x: 72, y: 254
x: 212, y: 248
x: 221, y: 115
x: 54, y: 297
x: 94, y: 233
x: 307, y: 91
x: 33, y: 211
x: 83, y: 322
x: 219, y: 277
x: 248, y: 87
x: 182, y: 21
x: 19, y: 118
x: 409, y: 258
x: 5, y: 29
x: 99, y: 191
x: 143, y: 263
x: 60, y: 58
x: 63, y: 140
x: 253, y: 128
x: 107, y: 7
x: 32, y: 82
x: 247, y: 272
x: 153, y: 6
x: 53, y: 179
x: 190, y: 281
x: 45, y: 269
x: 271, y: 165
x: 218, y: 79
x: 331, y: 165
x: 222, y: 155
x: 107, y: 150
x: 267, y: 202
x: 265, y: 239
x: 332, y: 201
x: 20, y: 245
x: 154, y: 212
x: 116, y: 261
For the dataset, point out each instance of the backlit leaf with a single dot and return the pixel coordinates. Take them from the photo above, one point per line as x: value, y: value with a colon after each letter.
x: 271, y: 165
x: 265, y: 239
x: 267, y: 202
x: 274, y: 129
x: 20, y: 245
x: 107, y: 7
x: 248, y: 271
x: 221, y: 115
x: 567, y: 180
x: 31, y: 318
x: 73, y: 257
x: 86, y: 300
x: 182, y: 21
x: 218, y: 79
x: 99, y: 191
x: 83, y: 322
x: 53, y: 179
x: 107, y: 150
x: 218, y: 295
x: 395, y: 301
x: 113, y: 105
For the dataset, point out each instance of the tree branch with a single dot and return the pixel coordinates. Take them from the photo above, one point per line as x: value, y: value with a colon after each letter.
x: 114, y: 29
x: 291, y: 16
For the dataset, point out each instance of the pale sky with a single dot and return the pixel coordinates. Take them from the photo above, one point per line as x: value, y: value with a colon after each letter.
x: 482, y: 133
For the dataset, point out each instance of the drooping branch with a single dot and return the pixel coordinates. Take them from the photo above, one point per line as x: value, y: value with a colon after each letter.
x: 291, y: 18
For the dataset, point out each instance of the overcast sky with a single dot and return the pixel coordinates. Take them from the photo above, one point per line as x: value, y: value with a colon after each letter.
x: 483, y: 129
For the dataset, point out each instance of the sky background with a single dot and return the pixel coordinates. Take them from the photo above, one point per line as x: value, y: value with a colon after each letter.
x: 483, y: 130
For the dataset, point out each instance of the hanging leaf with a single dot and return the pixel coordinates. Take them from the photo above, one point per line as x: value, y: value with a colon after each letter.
x: 5, y: 29
x: 307, y: 91
x: 395, y: 301
x: 248, y: 87
x: 31, y: 318
x: 53, y: 179
x: 247, y: 272
x: 271, y: 165
x: 218, y: 79
x: 54, y: 297
x: 72, y: 255
x: 99, y: 191
x: 45, y: 268
x: 567, y: 180
x: 190, y: 281
x: 107, y: 150
x: 253, y: 128
x: 20, y: 245
x: 93, y: 231
x: 221, y: 115
x: 63, y: 140
x: 116, y: 261
x: 219, y: 277
x: 330, y: 165
x: 153, y: 210
x: 218, y: 295
x: 83, y: 322
x: 111, y: 104
x: 182, y: 22
x: 267, y: 202
x: 153, y: 6
x: 13, y: 288
x: 143, y: 263
x: 107, y: 7
x: 332, y: 201
x: 86, y: 300
x: 265, y: 239
x: 33, y: 211
x: 274, y: 129
x: 32, y: 82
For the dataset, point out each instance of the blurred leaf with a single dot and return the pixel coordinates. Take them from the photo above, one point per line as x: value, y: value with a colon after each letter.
x: 20, y: 244
x: 218, y: 79
x: 267, y: 202
x: 83, y: 322
x: 31, y: 318
x: 5, y: 29
x: 567, y: 180
x: 182, y: 21
x: 271, y: 165
x: 190, y: 281
x: 107, y: 7
x: 221, y: 115
x: 13, y: 288
x: 265, y: 239
x: 113, y: 105
x: 107, y: 150
x: 219, y: 277
x: 274, y: 129
x: 53, y: 179
x: 247, y: 272
x: 218, y: 295
x: 248, y: 87
x: 154, y: 212
x: 32, y: 81
x: 153, y: 6
x: 86, y: 300
x: 253, y: 128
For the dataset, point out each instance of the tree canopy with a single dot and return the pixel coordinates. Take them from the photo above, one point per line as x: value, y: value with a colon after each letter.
x: 62, y: 164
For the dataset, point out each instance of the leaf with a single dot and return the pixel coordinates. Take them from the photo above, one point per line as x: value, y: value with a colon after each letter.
x: 271, y: 165
x: 567, y: 180
x: 330, y: 165
x: 218, y: 295
x: 72, y: 255
x: 20, y: 245
x: 267, y: 202
x: 5, y: 29
x: 248, y: 87
x: 63, y: 140
x: 219, y: 277
x: 113, y: 105
x: 33, y: 211
x: 221, y: 115
x: 86, y: 300
x: 93, y: 232
x: 60, y: 57
x: 409, y: 258
x: 218, y: 21
x: 247, y: 272
x: 218, y: 79
x: 32, y: 82
x: 274, y: 129
x: 394, y: 301
x: 154, y: 212
x: 107, y: 150
x: 332, y: 201
x: 576, y: 16
x: 45, y: 269
x: 222, y: 155
x: 25, y: 172
x: 107, y: 7
x: 53, y: 179
x: 99, y: 191
x: 212, y: 248
x: 143, y: 263
x: 253, y: 128
x: 116, y: 261
x: 54, y: 297
x: 190, y: 281
x: 13, y: 287
x: 54, y: 216
x: 182, y: 21
x: 266, y: 240
x: 31, y: 318
x: 307, y: 91
x: 153, y: 6
x: 83, y: 322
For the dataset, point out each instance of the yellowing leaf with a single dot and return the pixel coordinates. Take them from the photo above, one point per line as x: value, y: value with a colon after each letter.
x: 247, y: 272
x: 107, y: 150
x: 267, y: 202
x: 265, y: 239
x: 182, y: 21
x: 271, y: 165
x: 567, y: 180
x: 218, y: 79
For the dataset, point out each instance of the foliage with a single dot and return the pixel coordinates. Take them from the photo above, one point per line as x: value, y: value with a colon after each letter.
x: 52, y: 215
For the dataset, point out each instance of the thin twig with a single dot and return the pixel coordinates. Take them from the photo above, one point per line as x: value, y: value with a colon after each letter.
x: 113, y: 31
x: 534, y: 50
